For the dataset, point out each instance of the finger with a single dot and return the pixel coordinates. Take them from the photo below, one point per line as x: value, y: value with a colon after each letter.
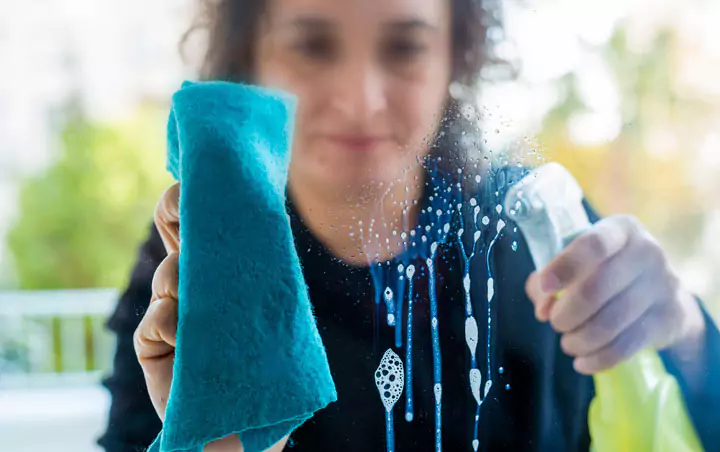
x: 614, y: 318
x: 638, y: 336
x: 155, y: 336
x: 165, y: 280
x: 588, y: 295
x: 587, y: 252
x: 542, y: 301
x: 167, y: 218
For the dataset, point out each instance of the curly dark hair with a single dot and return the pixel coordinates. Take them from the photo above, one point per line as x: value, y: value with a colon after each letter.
x: 231, y: 27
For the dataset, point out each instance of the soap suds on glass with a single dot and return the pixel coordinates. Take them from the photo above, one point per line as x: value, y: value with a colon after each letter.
x: 442, y: 224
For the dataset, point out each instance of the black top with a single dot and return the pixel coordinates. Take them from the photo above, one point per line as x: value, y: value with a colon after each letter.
x: 537, y: 401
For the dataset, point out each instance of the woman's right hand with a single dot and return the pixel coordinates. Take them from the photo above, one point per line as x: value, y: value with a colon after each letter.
x: 155, y: 336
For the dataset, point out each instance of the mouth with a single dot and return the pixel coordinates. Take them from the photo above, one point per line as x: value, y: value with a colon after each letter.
x: 357, y: 143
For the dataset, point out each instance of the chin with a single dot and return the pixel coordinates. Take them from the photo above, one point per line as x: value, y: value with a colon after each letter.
x: 350, y: 178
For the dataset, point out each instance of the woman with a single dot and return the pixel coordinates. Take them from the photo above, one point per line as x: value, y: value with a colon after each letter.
x: 378, y: 139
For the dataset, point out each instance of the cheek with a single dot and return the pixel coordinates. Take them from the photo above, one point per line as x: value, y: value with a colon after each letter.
x: 417, y: 109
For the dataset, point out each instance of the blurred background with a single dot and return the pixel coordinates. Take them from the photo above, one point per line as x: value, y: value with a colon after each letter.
x: 624, y: 93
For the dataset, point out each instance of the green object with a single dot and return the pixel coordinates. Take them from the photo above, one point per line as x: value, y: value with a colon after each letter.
x: 80, y: 221
x: 639, y: 407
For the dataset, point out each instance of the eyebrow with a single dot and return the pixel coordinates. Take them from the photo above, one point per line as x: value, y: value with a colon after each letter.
x: 308, y: 22
x: 312, y: 22
x: 409, y: 25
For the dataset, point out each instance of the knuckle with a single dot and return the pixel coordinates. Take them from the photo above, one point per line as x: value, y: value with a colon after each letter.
x: 589, y: 291
x: 596, y: 333
x: 597, y: 244
x: 631, y: 223
x: 166, y: 317
x: 168, y: 199
x: 171, y: 261
x: 160, y: 208
x: 611, y: 356
x: 561, y: 321
x: 165, y: 279
x: 658, y: 255
x: 138, y: 338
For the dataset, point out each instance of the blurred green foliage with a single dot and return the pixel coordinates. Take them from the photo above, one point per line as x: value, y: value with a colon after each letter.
x: 80, y: 222
x: 626, y: 175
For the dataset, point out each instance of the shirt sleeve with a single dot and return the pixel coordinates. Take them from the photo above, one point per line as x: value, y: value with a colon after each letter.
x: 703, y: 400
x: 132, y: 423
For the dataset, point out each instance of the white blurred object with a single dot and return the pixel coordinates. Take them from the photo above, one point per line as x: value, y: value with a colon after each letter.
x: 547, y: 206
x: 53, y: 419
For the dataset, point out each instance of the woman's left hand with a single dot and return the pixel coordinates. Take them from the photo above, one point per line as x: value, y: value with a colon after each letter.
x: 611, y: 293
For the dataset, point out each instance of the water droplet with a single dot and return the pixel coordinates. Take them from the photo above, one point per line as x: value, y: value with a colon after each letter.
x: 410, y: 271
x: 475, y: 379
x: 473, y: 202
x: 499, y: 209
x: 486, y: 220
x: 388, y: 294
x: 514, y: 246
x: 500, y: 225
x: 501, y: 370
x: 507, y: 387
x: 471, y: 334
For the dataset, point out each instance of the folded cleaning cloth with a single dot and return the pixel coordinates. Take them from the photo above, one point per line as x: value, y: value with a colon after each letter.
x: 249, y: 359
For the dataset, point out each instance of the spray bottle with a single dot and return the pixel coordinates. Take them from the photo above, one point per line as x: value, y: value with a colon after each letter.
x: 638, y: 406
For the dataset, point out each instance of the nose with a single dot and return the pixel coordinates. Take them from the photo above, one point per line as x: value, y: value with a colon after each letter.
x: 359, y: 93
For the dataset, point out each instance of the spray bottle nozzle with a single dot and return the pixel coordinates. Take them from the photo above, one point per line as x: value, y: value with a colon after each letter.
x: 547, y: 206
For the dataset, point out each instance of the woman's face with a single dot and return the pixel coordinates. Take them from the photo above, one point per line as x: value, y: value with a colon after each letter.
x: 371, y: 78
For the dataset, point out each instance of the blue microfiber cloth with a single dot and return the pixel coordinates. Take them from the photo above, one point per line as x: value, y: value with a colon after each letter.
x: 249, y: 359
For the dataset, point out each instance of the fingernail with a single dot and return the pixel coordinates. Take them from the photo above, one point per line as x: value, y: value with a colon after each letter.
x: 550, y: 284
